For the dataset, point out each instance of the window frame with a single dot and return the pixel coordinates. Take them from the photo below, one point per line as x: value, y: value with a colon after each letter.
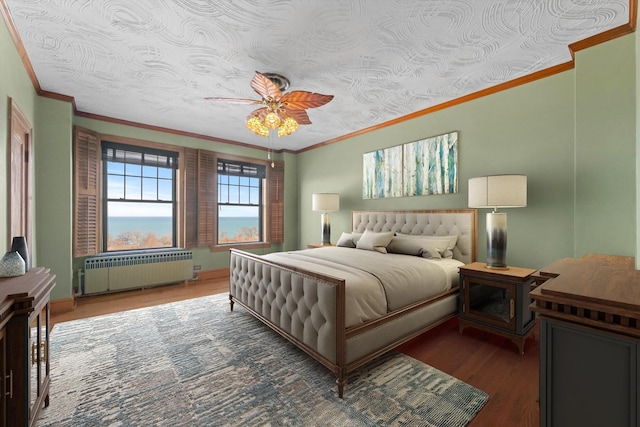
x: 261, y: 174
x: 105, y: 146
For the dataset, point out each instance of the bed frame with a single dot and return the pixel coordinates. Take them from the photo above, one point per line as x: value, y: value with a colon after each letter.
x: 308, y: 308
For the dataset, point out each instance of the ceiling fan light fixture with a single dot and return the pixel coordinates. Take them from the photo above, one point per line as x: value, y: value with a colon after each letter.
x: 288, y: 127
x: 272, y: 120
x: 277, y: 108
x: 255, y: 125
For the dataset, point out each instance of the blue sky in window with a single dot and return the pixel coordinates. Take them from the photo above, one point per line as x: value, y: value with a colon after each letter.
x: 144, y: 182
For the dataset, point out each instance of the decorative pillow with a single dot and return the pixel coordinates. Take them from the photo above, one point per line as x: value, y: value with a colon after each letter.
x: 372, y: 241
x: 449, y: 240
x: 346, y: 241
x: 417, y: 247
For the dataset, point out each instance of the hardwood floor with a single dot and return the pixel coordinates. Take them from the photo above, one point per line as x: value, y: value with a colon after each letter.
x: 129, y: 300
x: 486, y: 361
x: 490, y: 363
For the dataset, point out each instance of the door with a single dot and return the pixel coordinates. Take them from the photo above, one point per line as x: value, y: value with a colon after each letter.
x: 21, y: 177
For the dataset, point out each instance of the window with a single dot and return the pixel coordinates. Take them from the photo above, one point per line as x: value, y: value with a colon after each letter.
x: 139, y: 203
x: 240, y: 202
x: 148, y: 178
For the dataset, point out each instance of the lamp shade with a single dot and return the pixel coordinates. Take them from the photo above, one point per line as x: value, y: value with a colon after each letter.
x: 498, y: 191
x: 325, y: 202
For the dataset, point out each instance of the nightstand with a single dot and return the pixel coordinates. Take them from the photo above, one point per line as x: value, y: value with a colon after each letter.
x: 318, y: 245
x: 497, y: 301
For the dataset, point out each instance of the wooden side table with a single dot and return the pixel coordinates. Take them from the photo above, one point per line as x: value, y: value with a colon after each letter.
x: 497, y: 301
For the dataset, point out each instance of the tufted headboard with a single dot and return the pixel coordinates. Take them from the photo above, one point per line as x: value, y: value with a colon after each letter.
x: 462, y: 222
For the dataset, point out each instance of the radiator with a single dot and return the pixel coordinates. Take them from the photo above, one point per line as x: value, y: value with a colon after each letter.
x: 106, y: 273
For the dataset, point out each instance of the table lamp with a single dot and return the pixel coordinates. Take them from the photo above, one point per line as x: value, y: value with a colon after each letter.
x: 326, y: 202
x: 497, y: 191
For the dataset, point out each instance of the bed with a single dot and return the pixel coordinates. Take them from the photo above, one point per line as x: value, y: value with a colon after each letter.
x: 327, y: 303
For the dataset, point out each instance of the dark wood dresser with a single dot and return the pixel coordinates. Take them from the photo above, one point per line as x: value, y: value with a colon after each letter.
x: 24, y: 346
x: 589, y: 312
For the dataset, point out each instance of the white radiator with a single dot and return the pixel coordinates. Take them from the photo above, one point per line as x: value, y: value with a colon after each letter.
x: 106, y: 273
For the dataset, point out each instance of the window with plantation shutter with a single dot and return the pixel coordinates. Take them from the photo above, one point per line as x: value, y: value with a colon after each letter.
x: 198, y: 200
x: 204, y: 200
x: 191, y: 197
x: 207, y: 203
x: 86, y: 183
x: 275, y: 184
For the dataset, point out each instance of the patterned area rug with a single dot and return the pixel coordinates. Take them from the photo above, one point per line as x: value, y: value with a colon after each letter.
x: 195, y: 363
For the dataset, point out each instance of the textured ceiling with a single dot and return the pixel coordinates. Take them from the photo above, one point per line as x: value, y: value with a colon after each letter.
x: 153, y: 61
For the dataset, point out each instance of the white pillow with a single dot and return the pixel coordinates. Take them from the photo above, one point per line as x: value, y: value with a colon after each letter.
x: 372, y: 241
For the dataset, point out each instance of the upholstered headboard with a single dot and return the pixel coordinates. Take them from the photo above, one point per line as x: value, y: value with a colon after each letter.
x: 460, y: 222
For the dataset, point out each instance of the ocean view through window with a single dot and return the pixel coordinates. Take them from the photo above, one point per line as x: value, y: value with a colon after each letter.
x: 240, y: 202
x: 139, y: 207
x: 161, y: 226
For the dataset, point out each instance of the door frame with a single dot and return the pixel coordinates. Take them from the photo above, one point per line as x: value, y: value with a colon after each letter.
x: 21, y: 178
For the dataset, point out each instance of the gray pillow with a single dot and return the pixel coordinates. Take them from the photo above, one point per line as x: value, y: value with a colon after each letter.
x: 450, y: 242
x: 372, y: 241
x: 417, y: 247
x: 346, y: 241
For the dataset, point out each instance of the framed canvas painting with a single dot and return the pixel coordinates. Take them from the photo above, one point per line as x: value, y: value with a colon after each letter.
x: 382, y: 173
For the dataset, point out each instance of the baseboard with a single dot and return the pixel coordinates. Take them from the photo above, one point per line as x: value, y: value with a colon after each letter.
x: 221, y: 273
x: 60, y: 306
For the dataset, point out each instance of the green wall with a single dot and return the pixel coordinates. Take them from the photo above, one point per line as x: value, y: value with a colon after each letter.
x: 637, y: 118
x: 605, y: 148
x: 573, y: 134
x: 14, y: 84
x: 54, y: 197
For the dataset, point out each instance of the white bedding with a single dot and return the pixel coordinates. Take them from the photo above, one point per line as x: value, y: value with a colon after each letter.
x: 375, y: 283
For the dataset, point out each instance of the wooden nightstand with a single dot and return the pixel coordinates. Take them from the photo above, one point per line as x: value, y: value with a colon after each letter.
x: 497, y: 301
x: 318, y: 245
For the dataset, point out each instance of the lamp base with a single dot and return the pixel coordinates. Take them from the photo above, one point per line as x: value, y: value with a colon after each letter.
x: 497, y: 240
x: 326, y: 229
x: 490, y: 267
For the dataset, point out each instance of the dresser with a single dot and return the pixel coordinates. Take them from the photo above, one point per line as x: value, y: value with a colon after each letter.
x: 24, y: 346
x: 589, y: 313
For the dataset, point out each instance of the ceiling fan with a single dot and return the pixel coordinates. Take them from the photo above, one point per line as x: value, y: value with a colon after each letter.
x: 283, y: 112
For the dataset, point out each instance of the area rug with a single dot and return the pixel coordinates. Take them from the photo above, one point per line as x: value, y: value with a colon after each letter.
x: 196, y: 363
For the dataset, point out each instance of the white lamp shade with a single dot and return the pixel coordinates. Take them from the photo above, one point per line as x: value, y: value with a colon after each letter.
x: 325, y: 202
x: 498, y: 191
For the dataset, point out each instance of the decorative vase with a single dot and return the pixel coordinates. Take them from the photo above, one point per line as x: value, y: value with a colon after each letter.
x: 19, y: 244
x: 12, y: 265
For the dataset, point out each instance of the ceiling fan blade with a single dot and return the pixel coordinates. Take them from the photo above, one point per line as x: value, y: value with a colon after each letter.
x: 259, y: 113
x: 234, y: 100
x: 301, y: 100
x: 299, y: 116
x: 265, y: 87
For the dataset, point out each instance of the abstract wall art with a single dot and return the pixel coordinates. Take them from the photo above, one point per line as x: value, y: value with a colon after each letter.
x: 382, y: 173
x: 418, y: 168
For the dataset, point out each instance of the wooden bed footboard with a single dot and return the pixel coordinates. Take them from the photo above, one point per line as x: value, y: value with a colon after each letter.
x: 304, y: 307
x: 309, y: 308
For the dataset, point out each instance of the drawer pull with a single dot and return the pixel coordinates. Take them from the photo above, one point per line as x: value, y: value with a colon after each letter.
x: 512, y: 308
